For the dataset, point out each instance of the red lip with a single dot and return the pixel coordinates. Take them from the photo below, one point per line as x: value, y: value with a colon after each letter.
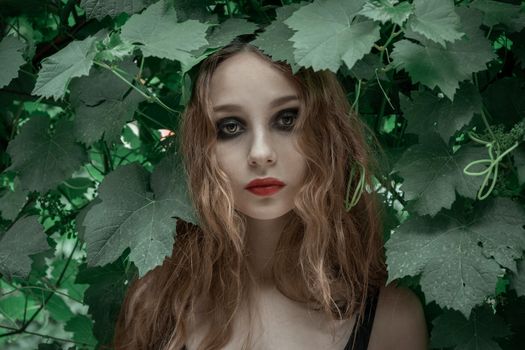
x: 267, y: 181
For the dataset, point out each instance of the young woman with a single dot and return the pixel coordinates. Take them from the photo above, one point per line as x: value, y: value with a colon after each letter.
x: 278, y: 261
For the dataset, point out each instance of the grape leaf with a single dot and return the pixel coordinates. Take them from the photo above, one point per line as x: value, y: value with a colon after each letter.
x: 74, y: 60
x: 12, y: 201
x: 112, y: 48
x: 228, y: 30
x: 518, y: 280
x: 327, y: 33
x: 193, y: 9
x: 432, y: 174
x: 14, y: 257
x: 157, y: 33
x: 434, y: 65
x: 101, y: 8
x: 435, y: 20
x: 82, y: 328
x: 103, y: 112
x: 10, y: 59
x: 495, y: 12
x: 452, y: 253
x: 221, y: 35
x: 67, y: 283
x: 43, y: 160
x: 427, y: 112
x: 387, y: 10
x: 275, y: 40
x: 452, y: 329
x: 132, y: 216
x: 107, y: 287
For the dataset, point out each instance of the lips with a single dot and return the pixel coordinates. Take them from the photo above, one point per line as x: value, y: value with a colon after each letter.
x: 265, y: 187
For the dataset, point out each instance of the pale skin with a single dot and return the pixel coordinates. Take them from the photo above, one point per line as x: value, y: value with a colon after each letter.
x: 260, y: 146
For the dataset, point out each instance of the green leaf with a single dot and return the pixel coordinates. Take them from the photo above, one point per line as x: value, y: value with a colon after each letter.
x: 13, y: 201
x: 328, y: 32
x: 452, y: 329
x: 132, y: 216
x: 228, y: 30
x: 387, y: 10
x: 432, y: 174
x: 113, y: 48
x: 102, y: 113
x: 518, y: 279
x: 74, y: 60
x: 14, y: 256
x: 43, y: 160
x: 275, y: 40
x: 428, y: 112
x: 11, y: 59
x: 82, y: 328
x: 107, y: 287
x: 452, y: 253
x: 101, y: 8
x: 67, y: 284
x: 157, y: 33
x: 495, y: 12
x: 434, y: 65
x: 436, y: 21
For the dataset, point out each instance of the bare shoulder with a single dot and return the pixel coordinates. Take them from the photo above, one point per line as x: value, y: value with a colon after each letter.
x: 399, y: 321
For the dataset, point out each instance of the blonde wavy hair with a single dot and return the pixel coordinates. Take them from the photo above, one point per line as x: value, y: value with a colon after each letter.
x: 328, y: 257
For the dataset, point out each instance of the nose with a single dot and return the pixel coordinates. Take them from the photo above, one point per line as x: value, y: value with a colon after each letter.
x: 262, y: 152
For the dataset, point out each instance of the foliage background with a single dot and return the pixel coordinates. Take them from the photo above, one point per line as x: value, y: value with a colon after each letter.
x: 89, y: 91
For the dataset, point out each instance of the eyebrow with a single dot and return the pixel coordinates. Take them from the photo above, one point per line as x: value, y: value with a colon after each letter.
x: 276, y: 102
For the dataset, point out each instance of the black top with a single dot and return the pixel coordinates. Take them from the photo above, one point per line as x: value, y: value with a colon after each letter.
x: 362, y: 332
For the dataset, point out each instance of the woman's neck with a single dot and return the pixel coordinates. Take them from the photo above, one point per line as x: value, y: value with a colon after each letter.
x: 262, y: 237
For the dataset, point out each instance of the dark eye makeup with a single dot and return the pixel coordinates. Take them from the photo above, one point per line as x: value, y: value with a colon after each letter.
x: 230, y: 127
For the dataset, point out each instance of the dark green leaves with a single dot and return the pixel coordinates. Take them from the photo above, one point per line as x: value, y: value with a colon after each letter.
x: 452, y: 253
x: 42, y: 157
x: 428, y: 112
x: 387, y: 10
x: 10, y: 59
x: 433, y: 174
x: 57, y: 70
x: 328, y: 33
x: 157, y: 33
x: 14, y: 256
x: 101, y: 8
x: 436, y: 21
x: 103, y: 113
x: 452, y: 329
x: 440, y: 66
x: 130, y: 215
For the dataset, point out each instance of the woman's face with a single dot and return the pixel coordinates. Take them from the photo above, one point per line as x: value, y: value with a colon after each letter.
x: 255, y: 108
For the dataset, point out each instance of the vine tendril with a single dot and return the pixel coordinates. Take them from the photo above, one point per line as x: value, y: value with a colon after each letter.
x: 359, y: 188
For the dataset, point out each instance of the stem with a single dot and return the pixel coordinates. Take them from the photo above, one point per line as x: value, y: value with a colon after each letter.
x: 383, y: 90
x: 23, y: 329
x: 355, y: 105
x: 46, y: 336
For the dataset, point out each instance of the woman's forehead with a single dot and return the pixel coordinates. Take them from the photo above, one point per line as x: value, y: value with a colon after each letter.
x: 246, y: 75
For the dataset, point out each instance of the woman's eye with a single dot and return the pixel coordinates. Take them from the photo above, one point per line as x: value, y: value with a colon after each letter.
x: 228, y: 129
x: 287, y: 119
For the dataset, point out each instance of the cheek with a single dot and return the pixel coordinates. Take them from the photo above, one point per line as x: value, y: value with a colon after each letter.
x: 227, y: 159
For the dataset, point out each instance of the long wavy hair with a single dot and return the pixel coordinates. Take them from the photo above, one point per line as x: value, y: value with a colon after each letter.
x: 327, y: 257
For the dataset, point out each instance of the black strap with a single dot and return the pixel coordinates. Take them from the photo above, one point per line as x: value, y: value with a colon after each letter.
x: 362, y: 332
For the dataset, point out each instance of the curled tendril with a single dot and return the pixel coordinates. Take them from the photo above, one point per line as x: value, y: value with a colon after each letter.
x: 492, y: 162
x: 358, y: 189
